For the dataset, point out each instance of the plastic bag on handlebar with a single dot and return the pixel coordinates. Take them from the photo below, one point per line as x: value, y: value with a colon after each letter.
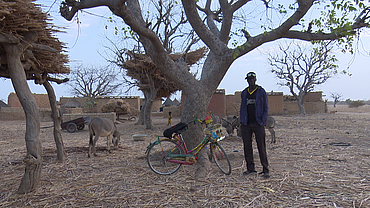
x: 178, y: 128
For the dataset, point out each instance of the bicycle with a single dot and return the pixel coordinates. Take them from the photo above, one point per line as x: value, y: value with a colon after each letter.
x: 166, y: 155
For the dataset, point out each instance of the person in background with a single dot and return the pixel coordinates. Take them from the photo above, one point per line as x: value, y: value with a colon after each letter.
x: 253, y: 117
x: 169, y: 118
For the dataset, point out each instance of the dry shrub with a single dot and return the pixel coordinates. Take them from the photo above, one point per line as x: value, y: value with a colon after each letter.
x: 356, y: 104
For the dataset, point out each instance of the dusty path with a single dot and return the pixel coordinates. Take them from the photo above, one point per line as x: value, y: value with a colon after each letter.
x: 311, y: 166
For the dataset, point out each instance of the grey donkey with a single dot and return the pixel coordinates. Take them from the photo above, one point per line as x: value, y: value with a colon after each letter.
x: 103, y: 127
x: 235, y: 124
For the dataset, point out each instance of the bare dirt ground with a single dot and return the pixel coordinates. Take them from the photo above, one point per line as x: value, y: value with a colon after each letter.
x: 320, y: 160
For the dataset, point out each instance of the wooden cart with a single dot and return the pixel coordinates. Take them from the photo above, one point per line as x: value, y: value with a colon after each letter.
x: 78, y: 123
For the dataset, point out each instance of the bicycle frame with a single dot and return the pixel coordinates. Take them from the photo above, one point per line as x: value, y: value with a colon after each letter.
x: 181, y: 143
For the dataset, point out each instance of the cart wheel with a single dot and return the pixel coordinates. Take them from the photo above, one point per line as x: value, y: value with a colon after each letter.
x: 81, y: 126
x: 71, y: 127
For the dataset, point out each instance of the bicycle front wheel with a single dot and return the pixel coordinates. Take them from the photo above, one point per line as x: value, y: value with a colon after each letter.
x: 220, y: 157
x: 157, y: 157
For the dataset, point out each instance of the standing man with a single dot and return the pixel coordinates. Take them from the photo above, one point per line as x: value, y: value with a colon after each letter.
x: 253, y: 116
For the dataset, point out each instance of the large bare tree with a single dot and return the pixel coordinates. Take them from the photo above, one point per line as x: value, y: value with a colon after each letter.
x: 213, y: 23
x: 94, y: 81
x: 302, y: 67
x: 167, y: 20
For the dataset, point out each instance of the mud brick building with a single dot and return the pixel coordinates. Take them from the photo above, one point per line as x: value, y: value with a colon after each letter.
x: 42, y: 100
x: 280, y: 104
x: 221, y: 105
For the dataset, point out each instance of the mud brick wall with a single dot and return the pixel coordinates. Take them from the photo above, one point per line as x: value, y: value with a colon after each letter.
x: 10, y: 114
x: 69, y: 117
x: 133, y: 101
x: 230, y: 99
x: 291, y: 107
x: 275, y: 103
x: 175, y: 111
x: 158, y: 114
x: 42, y: 100
x: 64, y: 100
x: 238, y: 97
x: 156, y: 104
x: 72, y: 110
x: 313, y: 97
x: 232, y: 109
x: 218, y: 103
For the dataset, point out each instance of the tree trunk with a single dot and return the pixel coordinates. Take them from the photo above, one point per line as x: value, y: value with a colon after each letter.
x: 195, y: 104
x: 300, y: 101
x: 140, y: 121
x: 33, y: 159
x: 57, y: 119
x: 147, y: 109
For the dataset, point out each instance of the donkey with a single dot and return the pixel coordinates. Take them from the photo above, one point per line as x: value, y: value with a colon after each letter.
x: 103, y: 127
x: 235, y: 124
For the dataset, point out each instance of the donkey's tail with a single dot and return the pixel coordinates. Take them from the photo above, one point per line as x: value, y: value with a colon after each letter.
x: 91, y: 139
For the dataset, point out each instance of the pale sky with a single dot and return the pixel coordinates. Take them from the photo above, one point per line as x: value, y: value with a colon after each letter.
x: 86, y: 42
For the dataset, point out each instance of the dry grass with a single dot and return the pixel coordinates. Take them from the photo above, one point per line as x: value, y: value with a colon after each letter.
x: 308, y: 169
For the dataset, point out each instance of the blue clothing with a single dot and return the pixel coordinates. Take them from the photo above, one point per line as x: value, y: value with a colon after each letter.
x: 261, y: 107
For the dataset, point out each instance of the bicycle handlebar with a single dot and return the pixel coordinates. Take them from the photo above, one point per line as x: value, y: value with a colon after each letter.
x: 196, y: 120
x: 210, y: 116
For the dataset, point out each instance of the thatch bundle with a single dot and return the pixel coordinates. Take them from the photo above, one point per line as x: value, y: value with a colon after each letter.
x: 116, y: 105
x: 20, y: 17
x: 142, y: 62
x: 191, y: 57
x: 141, y: 66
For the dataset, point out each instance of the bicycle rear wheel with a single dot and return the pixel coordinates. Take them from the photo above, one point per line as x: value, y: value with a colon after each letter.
x: 220, y: 157
x: 157, y: 157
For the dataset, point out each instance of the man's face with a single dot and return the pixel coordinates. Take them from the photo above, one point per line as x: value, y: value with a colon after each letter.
x: 251, y: 80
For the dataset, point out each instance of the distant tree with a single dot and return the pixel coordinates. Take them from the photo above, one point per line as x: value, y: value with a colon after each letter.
x: 302, y: 67
x: 94, y: 81
x: 336, y: 96
x: 348, y: 101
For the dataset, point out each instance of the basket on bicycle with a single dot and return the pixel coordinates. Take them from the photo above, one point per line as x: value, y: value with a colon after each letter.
x: 214, y: 132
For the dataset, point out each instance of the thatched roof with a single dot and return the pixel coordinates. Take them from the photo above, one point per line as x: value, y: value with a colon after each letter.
x: 21, y: 17
x: 168, y: 102
x: 72, y: 103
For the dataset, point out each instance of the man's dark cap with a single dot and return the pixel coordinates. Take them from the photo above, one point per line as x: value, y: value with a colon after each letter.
x: 250, y: 74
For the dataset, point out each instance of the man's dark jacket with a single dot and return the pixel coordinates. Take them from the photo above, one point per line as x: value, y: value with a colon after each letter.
x: 262, y: 107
